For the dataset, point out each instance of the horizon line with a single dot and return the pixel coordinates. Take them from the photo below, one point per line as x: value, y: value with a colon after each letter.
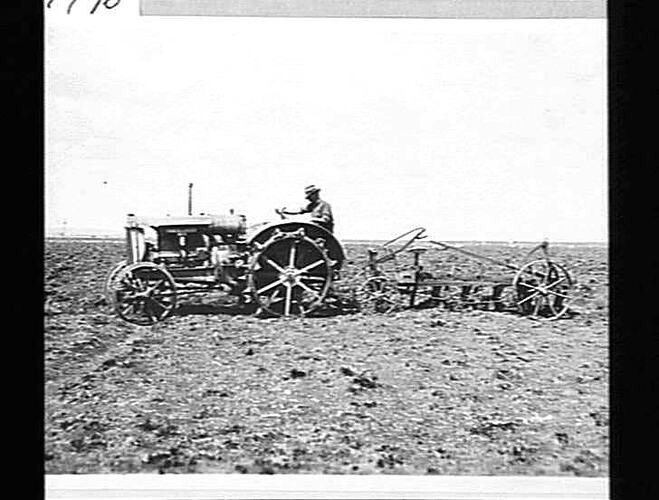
x: 119, y: 237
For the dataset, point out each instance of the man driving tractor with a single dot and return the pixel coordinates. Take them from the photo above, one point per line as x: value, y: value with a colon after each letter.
x: 320, y: 210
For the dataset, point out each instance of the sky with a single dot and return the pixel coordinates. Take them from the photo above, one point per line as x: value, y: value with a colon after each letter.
x: 475, y: 129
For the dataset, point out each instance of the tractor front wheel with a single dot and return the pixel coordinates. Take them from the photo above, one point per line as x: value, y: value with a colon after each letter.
x: 110, y: 280
x: 144, y: 293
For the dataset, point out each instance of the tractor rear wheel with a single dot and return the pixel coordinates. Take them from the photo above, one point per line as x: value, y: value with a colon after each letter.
x: 290, y: 274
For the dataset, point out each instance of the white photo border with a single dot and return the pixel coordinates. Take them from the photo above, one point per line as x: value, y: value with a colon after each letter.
x: 317, y: 486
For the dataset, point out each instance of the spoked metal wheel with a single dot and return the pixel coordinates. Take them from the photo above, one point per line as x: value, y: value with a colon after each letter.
x: 290, y: 274
x: 144, y: 293
x: 111, y: 280
x: 378, y: 294
x: 543, y: 289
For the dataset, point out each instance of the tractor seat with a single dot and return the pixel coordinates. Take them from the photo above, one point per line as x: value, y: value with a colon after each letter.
x: 417, y: 250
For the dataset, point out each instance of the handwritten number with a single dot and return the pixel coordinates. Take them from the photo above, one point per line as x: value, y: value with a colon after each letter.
x: 108, y: 4
x: 71, y: 4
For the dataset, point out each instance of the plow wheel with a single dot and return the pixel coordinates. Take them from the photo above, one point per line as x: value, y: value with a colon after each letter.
x: 542, y: 289
x: 144, y: 293
x: 290, y: 275
x: 379, y: 294
x: 110, y: 281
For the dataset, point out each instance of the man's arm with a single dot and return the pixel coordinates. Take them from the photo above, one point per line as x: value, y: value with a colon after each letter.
x: 323, y: 213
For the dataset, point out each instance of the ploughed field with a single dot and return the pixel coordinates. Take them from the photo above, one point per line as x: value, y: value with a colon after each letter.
x: 423, y: 391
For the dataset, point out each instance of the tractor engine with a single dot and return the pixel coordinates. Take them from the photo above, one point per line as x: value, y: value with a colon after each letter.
x: 229, y: 262
x: 196, y: 242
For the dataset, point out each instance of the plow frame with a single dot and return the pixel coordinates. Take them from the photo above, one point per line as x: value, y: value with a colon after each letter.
x: 539, y: 288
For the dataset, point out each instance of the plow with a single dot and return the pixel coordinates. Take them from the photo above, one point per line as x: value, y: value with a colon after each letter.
x: 289, y: 268
x: 539, y: 288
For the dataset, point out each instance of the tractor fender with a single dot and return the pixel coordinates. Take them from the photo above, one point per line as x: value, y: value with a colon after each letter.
x: 261, y: 233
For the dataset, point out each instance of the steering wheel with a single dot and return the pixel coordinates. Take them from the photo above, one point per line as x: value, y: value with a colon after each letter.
x: 280, y: 212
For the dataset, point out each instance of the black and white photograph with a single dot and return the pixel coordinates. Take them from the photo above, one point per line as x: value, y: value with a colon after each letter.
x: 343, y: 242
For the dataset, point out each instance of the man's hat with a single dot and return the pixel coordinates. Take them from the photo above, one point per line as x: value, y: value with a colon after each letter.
x: 311, y: 189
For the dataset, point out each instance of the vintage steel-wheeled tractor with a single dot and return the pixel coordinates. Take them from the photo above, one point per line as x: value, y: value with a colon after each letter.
x: 284, y: 269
